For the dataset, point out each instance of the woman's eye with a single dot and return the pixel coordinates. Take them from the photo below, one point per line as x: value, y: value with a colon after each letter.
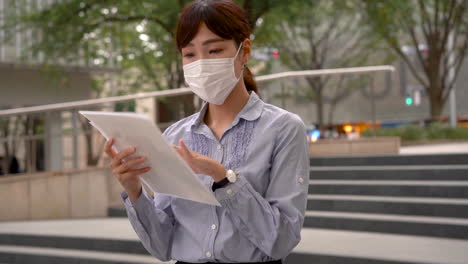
x: 189, y: 55
x: 215, y: 51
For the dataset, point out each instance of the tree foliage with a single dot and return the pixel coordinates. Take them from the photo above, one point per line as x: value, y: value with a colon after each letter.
x: 314, y: 34
x: 137, y: 34
x: 424, y: 25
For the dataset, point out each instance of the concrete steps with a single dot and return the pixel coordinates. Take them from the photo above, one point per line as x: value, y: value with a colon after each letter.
x: 392, y: 160
x: 441, y: 189
x: 386, y: 223
x: 424, y: 195
x: 40, y: 255
x: 116, y: 212
x: 398, y: 172
x: 426, y: 200
x: 352, y: 247
x: 104, y: 241
x: 86, y: 241
x: 99, y: 244
x: 442, y: 207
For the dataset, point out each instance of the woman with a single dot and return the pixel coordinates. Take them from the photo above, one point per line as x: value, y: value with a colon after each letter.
x: 254, y: 156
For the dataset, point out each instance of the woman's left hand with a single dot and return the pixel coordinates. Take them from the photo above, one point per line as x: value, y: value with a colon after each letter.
x: 200, y: 163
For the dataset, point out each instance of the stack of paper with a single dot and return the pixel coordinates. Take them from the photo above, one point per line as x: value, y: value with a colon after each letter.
x: 169, y: 173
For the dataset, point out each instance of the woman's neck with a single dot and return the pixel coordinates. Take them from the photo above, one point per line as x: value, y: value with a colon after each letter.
x: 219, y: 117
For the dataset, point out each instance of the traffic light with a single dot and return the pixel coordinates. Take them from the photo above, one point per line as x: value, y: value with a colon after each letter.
x: 276, y: 54
x: 409, y: 101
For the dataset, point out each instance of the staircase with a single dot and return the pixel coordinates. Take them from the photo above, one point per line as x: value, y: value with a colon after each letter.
x: 423, y: 195
x: 366, y: 210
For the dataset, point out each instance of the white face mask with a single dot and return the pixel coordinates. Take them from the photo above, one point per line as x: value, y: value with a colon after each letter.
x: 212, y: 79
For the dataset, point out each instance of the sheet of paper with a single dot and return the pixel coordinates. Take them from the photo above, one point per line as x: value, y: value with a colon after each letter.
x: 169, y: 174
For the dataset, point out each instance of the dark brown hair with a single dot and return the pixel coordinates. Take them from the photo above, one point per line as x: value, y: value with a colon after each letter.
x: 224, y: 18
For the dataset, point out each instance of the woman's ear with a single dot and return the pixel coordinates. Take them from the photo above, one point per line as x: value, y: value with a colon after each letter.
x: 247, y: 49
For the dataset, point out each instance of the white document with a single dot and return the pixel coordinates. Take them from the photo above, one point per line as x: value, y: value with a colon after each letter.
x: 169, y: 173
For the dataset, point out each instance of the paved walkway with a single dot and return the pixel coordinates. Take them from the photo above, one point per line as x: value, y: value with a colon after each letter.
x: 461, y: 147
x: 314, y: 241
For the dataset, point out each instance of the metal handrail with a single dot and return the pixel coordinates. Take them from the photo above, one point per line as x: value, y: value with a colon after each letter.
x: 92, y: 102
x: 184, y: 91
x: 323, y: 72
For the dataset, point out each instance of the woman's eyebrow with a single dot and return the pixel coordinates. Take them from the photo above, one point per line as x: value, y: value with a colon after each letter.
x: 212, y: 40
x: 208, y: 41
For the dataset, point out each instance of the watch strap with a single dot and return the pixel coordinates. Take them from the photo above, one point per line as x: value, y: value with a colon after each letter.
x: 220, y: 184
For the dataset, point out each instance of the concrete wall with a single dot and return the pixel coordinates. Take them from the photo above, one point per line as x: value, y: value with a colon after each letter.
x: 23, y: 86
x: 60, y: 195
x: 362, y: 146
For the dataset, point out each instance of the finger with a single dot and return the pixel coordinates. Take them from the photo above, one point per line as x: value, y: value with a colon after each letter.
x: 115, y: 163
x: 126, y: 166
x: 108, y: 148
x: 117, y: 160
x: 184, y: 148
x: 125, y: 153
x: 136, y: 172
x: 178, y: 149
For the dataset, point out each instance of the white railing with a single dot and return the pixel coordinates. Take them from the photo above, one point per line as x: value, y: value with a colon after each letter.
x: 55, y: 116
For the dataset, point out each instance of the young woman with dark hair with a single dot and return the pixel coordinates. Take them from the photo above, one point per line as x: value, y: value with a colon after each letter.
x: 252, y: 155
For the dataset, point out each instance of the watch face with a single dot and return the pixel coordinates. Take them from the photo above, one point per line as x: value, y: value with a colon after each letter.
x: 231, y: 175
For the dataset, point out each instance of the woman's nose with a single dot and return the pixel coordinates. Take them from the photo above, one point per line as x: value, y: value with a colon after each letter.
x: 202, y: 56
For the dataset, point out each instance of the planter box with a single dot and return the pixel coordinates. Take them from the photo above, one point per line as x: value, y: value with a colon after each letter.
x: 55, y: 195
x: 81, y: 193
x: 350, y: 147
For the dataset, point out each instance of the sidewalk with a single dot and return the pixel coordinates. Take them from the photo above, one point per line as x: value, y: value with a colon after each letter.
x: 435, y: 149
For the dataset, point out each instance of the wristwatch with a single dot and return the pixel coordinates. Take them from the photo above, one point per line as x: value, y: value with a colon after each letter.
x: 230, y: 177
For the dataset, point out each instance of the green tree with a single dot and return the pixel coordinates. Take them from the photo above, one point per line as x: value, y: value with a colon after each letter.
x: 315, y: 34
x: 137, y: 34
x: 420, y: 23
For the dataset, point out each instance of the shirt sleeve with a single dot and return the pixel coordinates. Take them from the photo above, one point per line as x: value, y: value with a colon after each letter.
x: 273, y: 223
x: 153, y: 222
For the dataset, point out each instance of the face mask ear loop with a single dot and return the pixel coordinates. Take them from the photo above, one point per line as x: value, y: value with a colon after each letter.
x: 241, y: 73
x: 233, y: 61
x: 238, y: 51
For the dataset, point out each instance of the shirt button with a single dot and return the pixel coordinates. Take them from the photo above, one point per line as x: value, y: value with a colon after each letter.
x: 208, y: 254
x: 229, y: 191
x: 213, y: 227
x: 220, y: 147
x: 301, y: 180
x: 132, y: 210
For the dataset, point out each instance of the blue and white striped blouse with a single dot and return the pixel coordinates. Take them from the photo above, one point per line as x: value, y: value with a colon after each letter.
x: 262, y: 213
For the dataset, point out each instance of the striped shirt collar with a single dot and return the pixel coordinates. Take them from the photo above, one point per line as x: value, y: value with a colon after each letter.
x: 251, y: 111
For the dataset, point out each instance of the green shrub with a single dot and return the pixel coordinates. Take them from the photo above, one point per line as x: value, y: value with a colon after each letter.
x: 435, y: 131
x: 412, y: 133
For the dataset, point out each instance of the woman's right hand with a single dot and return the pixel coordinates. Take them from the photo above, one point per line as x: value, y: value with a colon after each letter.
x: 124, y: 171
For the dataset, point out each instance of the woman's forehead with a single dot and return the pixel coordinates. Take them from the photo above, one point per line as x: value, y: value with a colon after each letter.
x: 205, y: 36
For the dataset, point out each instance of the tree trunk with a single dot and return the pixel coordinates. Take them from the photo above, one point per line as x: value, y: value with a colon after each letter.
x: 6, y: 159
x: 436, y: 87
x: 437, y: 104
x: 88, y: 133
x: 435, y: 91
x: 319, y: 105
x: 331, y: 113
x: 6, y: 147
